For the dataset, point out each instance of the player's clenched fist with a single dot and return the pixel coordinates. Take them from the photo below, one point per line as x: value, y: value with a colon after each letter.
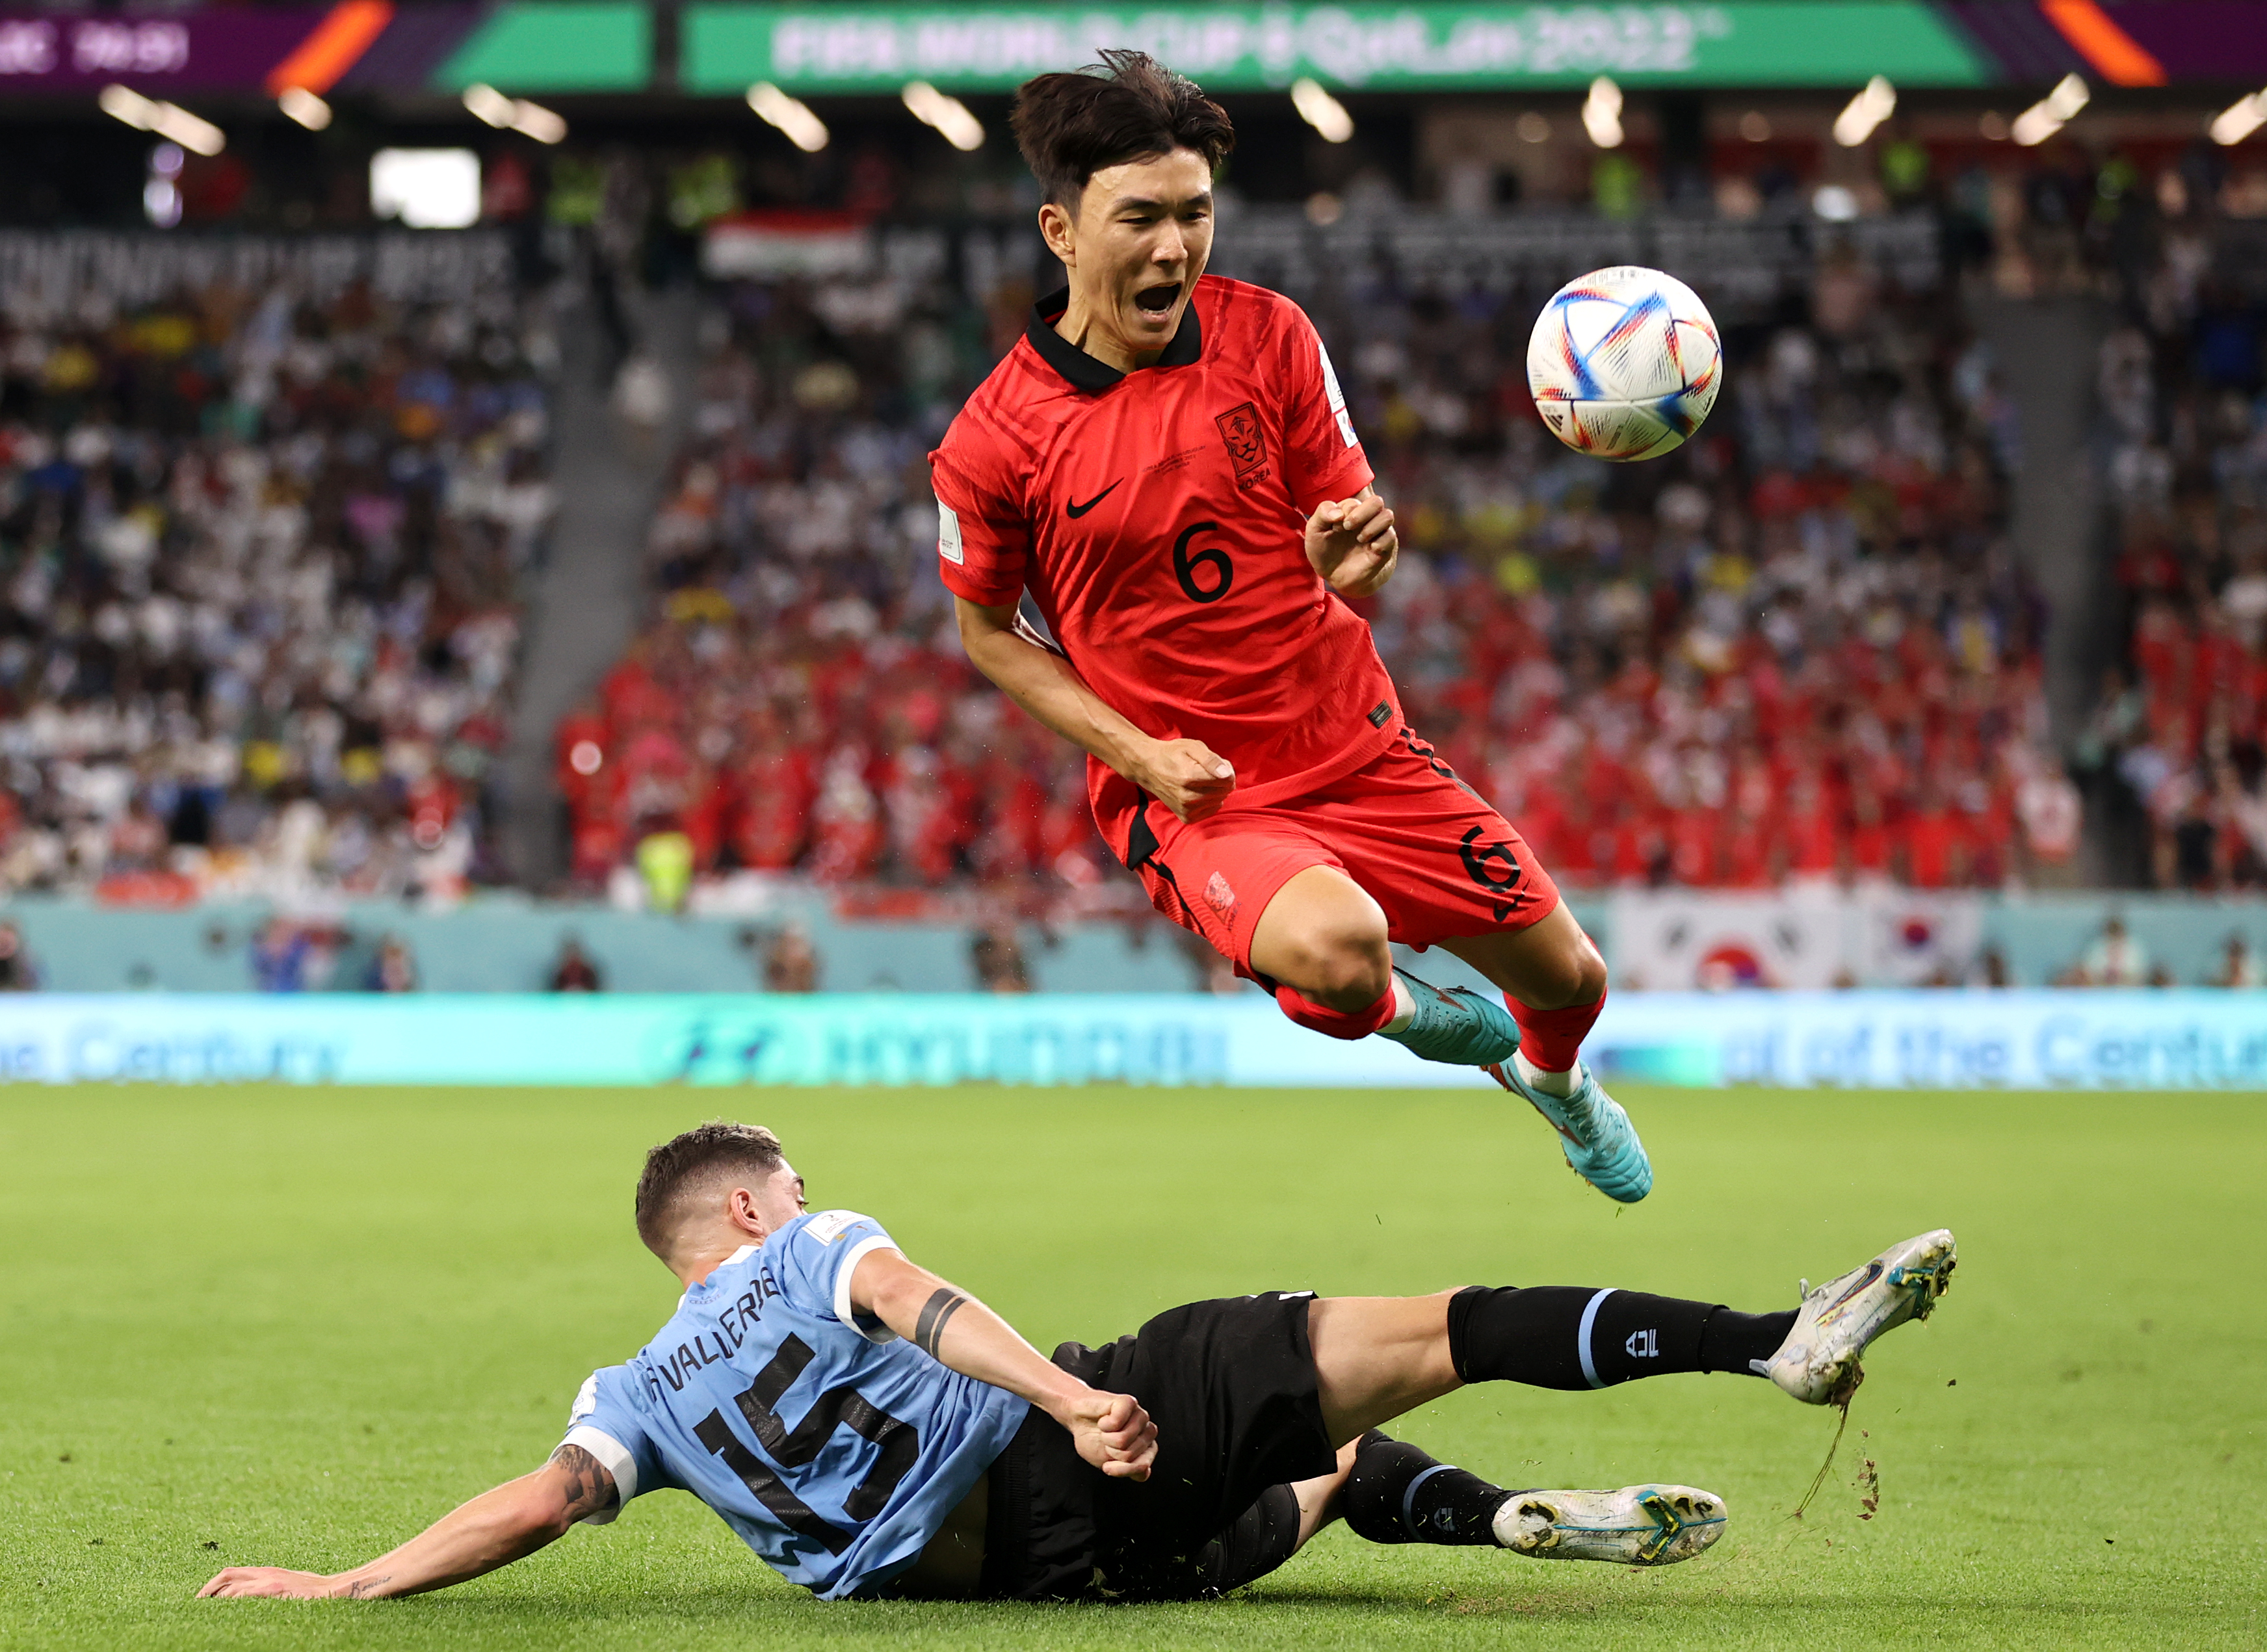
x: 1113, y: 1433
x: 1187, y: 777
x: 1352, y: 544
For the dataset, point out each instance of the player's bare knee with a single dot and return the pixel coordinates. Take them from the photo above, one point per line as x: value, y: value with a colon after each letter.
x: 1589, y: 983
x: 1568, y: 975
x: 1348, y: 966
x: 1355, y: 983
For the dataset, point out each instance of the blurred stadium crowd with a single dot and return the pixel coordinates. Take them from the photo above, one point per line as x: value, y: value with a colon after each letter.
x: 258, y: 619
x: 2173, y: 751
x: 260, y: 562
x: 1798, y: 649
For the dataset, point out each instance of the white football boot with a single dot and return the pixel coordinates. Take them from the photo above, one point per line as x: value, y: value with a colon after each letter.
x: 1638, y: 1525
x: 1818, y: 1362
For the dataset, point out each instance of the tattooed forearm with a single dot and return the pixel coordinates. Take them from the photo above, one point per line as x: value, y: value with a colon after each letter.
x: 363, y: 1588
x: 928, y: 1329
x: 590, y: 1486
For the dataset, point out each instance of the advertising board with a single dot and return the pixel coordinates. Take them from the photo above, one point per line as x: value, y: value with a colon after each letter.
x: 1937, y: 1039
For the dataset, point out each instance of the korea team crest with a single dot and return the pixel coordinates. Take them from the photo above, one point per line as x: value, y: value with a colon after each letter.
x: 1247, y: 446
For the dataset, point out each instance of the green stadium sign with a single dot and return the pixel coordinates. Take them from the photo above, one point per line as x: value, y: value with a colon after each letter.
x: 554, y: 45
x: 1228, y: 48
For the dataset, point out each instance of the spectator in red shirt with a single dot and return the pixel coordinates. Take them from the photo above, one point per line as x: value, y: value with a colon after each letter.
x: 1935, y: 850
x: 1867, y: 846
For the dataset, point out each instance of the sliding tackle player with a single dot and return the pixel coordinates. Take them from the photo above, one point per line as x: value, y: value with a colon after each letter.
x: 870, y: 1429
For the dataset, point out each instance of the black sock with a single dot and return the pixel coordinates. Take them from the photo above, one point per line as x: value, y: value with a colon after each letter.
x: 1257, y: 1541
x: 1735, y: 1341
x: 1399, y: 1495
x: 1573, y: 1336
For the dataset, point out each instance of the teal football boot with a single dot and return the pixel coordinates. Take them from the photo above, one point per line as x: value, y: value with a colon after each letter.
x: 1599, y: 1140
x: 1456, y: 1026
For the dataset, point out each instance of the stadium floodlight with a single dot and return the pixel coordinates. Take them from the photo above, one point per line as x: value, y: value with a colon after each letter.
x: 532, y: 120
x: 161, y: 202
x: 1320, y: 110
x: 1874, y: 103
x: 1836, y: 203
x: 2050, y: 113
x: 1602, y: 114
x: 166, y: 120
x: 515, y: 114
x: 2240, y: 120
x: 947, y: 115
x: 490, y: 105
x: 123, y: 103
x: 792, y: 115
x: 2069, y: 96
x: 304, y: 106
x: 189, y: 131
x: 426, y: 188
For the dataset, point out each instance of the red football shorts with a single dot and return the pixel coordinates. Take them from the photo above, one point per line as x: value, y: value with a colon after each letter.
x: 1426, y: 847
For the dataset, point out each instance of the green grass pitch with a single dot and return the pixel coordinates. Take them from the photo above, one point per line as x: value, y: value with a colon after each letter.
x: 291, y: 1326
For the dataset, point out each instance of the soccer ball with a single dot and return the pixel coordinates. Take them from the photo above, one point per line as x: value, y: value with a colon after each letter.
x: 1624, y: 363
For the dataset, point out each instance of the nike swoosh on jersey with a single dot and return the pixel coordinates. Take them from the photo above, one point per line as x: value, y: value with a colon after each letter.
x: 1080, y: 510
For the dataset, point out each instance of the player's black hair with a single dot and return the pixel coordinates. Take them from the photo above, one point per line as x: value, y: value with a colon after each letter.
x: 1128, y: 106
x: 683, y: 1161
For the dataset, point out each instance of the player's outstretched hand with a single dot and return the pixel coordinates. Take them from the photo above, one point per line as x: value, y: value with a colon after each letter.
x: 1113, y: 1433
x: 273, y: 1581
x: 1187, y: 777
x: 1353, y: 544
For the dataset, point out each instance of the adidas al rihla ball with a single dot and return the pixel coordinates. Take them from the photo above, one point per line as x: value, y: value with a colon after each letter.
x: 1624, y: 363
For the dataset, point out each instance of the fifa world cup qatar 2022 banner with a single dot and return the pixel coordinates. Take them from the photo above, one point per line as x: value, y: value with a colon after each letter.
x: 2016, y: 1040
x: 1435, y: 45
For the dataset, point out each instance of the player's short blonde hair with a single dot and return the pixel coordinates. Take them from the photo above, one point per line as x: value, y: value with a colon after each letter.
x: 684, y: 1163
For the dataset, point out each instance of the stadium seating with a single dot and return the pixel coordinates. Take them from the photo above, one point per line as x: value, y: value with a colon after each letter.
x: 799, y: 702
x: 1797, y: 650
x: 261, y: 539
x: 2175, y: 744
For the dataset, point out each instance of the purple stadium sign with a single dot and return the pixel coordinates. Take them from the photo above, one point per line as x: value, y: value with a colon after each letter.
x: 189, y: 51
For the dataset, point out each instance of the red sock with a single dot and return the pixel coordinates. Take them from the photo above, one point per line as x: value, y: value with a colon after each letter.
x: 1337, y: 1023
x: 1552, y: 1038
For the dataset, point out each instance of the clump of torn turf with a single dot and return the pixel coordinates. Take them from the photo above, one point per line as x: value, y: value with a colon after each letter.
x: 1870, y: 1485
x: 1840, y: 1400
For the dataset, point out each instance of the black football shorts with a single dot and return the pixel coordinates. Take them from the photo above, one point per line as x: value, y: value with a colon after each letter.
x: 1231, y: 1386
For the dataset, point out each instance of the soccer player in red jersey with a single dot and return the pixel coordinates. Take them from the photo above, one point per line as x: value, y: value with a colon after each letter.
x: 1165, y: 463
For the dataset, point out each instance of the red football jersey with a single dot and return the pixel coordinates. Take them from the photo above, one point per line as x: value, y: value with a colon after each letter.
x: 1157, y: 518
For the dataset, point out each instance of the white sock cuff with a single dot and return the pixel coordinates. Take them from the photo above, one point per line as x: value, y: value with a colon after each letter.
x: 1549, y: 1083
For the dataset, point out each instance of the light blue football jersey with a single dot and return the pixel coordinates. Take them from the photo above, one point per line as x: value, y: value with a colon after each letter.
x: 833, y: 1448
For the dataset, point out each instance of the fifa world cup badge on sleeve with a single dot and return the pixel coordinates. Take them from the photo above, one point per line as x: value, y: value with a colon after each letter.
x: 948, y: 534
x: 1336, y: 395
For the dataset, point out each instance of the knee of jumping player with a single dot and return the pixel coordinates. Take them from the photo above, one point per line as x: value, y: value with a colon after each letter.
x: 1339, y: 960
x: 1570, y: 973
